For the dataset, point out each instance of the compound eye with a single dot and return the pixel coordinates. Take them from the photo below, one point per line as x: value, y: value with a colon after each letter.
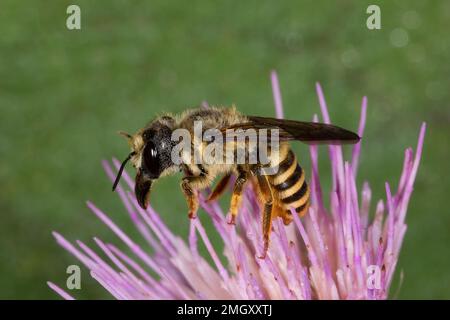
x: 150, y: 158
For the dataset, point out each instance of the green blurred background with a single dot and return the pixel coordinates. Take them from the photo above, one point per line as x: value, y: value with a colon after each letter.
x: 64, y: 94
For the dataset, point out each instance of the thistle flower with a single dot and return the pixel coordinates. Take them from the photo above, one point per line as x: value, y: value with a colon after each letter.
x: 335, y: 252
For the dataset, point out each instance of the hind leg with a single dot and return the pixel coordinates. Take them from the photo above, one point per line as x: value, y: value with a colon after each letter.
x: 286, y: 215
x: 267, y: 194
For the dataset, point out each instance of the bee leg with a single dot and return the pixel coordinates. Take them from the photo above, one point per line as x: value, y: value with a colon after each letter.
x: 267, y: 193
x: 287, y: 218
x: 190, y: 195
x: 220, y: 188
x: 267, y: 224
x: 236, y: 197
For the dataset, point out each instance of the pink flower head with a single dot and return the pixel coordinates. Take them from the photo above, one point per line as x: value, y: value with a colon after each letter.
x: 335, y: 252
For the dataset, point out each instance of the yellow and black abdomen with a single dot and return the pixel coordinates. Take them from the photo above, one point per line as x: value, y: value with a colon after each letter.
x: 290, y: 186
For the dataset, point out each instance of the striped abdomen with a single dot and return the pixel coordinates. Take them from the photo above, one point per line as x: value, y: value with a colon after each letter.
x: 290, y: 185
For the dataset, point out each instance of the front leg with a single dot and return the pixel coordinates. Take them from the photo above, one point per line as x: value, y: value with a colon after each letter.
x: 189, y: 187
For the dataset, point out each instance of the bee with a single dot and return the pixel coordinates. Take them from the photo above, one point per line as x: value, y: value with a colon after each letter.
x: 283, y: 189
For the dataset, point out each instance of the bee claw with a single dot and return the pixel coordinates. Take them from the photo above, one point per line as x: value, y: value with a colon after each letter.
x: 263, y: 257
x: 192, y: 215
x: 232, y: 221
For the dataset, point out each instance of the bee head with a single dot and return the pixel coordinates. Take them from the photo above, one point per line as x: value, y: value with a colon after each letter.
x: 156, y: 151
x: 151, y: 156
